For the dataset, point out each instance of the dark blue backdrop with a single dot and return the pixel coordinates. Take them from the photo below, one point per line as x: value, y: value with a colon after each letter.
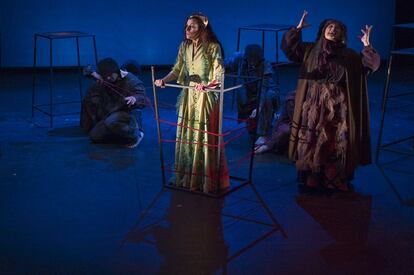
x: 150, y: 31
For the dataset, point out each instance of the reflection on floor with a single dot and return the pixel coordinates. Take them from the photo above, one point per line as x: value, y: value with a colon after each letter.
x: 72, y: 207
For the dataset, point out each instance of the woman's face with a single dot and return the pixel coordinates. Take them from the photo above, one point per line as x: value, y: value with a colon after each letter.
x: 333, y: 32
x: 192, y: 29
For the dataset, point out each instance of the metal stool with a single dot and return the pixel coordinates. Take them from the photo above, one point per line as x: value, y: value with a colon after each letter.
x: 406, y: 153
x: 386, y: 96
x: 276, y: 28
x: 1, y: 53
x: 52, y: 36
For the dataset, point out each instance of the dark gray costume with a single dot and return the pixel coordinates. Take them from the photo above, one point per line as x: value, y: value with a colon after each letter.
x: 106, y: 117
x: 242, y: 65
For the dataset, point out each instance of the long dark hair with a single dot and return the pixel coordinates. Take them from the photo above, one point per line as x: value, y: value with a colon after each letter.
x: 205, y: 30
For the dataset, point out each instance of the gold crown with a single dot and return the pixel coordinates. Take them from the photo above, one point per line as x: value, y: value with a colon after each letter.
x: 200, y: 16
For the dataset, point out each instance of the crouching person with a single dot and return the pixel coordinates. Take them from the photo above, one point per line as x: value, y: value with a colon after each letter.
x: 111, y: 109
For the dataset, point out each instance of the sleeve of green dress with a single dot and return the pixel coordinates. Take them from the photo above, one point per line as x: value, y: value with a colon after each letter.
x: 179, y: 62
x: 217, y: 62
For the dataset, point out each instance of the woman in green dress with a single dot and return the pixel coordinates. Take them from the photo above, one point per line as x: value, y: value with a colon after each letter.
x: 199, y: 64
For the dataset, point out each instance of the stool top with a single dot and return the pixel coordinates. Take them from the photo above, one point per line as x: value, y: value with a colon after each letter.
x: 406, y: 26
x: 64, y: 34
x: 267, y: 27
x: 406, y: 51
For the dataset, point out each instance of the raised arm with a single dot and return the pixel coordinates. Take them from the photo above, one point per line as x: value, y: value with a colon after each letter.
x: 370, y: 57
x: 292, y: 44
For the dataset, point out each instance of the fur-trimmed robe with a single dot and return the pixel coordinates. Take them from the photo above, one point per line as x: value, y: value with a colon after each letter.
x: 356, y: 69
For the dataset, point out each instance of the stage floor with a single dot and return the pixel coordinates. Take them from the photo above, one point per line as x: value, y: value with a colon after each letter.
x: 72, y: 207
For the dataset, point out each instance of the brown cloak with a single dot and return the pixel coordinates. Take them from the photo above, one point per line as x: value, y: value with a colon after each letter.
x: 359, y: 146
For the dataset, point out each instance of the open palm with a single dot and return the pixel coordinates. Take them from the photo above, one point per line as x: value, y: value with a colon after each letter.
x: 365, y: 37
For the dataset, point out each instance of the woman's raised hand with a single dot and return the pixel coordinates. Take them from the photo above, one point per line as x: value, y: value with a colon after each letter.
x: 302, y: 23
x: 365, y: 37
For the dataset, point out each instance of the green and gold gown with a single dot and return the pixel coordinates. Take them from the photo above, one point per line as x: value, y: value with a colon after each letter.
x: 196, y: 152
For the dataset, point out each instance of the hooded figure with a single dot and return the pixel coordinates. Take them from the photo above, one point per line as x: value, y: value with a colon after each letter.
x: 330, y: 134
x: 110, y: 111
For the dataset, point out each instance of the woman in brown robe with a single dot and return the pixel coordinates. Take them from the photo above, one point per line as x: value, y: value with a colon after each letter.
x: 330, y: 133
